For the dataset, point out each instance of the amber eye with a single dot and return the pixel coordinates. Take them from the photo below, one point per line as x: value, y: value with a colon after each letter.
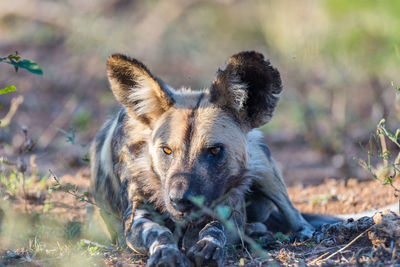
x: 167, y: 150
x: 215, y: 150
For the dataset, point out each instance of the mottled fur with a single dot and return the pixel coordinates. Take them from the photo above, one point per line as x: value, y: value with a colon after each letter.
x: 214, y: 152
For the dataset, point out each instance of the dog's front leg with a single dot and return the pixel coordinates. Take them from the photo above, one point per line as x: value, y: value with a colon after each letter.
x: 147, y: 237
x: 210, y: 249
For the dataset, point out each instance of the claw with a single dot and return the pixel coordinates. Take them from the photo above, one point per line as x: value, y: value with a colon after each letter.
x: 303, y: 234
x: 168, y: 257
x: 207, y: 253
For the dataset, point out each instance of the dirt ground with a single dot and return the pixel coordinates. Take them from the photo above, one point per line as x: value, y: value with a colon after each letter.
x: 341, y: 197
x: 368, y: 241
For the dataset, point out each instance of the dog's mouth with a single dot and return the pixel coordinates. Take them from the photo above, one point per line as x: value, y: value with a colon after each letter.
x: 191, y: 216
x: 181, y: 216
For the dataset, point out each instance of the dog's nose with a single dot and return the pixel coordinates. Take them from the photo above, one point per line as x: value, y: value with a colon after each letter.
x: 181, y: 199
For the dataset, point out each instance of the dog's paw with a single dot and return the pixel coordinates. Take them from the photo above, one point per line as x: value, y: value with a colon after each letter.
x: 168, y: 257
x: 207, y: 253
x: 303, y: 234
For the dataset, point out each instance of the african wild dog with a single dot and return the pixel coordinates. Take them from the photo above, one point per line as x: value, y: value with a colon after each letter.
x: 167, y: 146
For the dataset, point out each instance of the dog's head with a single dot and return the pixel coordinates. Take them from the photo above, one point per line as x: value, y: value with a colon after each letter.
x: 198, y: 145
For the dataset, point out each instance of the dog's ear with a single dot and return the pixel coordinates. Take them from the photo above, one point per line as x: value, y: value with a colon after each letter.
x: 145, y: 96
x: 249, y: 85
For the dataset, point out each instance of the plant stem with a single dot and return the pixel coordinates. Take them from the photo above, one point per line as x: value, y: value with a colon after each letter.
x: 384, y: 149
x: 24, y: 191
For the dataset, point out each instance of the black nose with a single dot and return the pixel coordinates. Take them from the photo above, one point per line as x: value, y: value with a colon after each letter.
x: 181, y: 200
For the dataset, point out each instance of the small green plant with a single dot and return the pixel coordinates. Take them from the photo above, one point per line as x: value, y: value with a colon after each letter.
x: 17, y: 176
x: 389, y: 169
x: 18, y: 63
x: 71, y: 138
x: 70, y: 189
x: 18, y: 168
x: 321, y: 199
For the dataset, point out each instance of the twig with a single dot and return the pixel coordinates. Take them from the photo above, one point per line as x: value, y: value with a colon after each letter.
x: 15, y: 102
x: 314, y: 251
x: 242, y: 241
x: 33, y: 165
x: 321, y: 259
x: 72, y: 193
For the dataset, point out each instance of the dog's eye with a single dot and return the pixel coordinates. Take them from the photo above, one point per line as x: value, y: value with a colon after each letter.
x: 166, y: 150
x: 215, y: 150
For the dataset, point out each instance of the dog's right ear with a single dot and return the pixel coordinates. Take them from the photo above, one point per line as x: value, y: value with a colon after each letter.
x: 249, y: 86
x: 145, y: 96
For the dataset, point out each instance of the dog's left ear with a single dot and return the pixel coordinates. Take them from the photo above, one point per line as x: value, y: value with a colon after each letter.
x: 145, y: 96
x: 249, y: 85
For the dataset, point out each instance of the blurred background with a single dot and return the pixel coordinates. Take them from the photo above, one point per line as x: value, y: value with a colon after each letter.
x: 339, y: 62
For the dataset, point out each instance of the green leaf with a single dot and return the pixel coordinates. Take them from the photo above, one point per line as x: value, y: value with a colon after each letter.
x: 8, y: 89
x: 381, y: 122
x: 223, y: 211
x: 198, y: 200
x: 14, y: 57
x: 388, y: 180
x: 281, y: 237
x: 394, y: 86
x: 229, y: 225
x: 397, y: 134
x: 28, y: 65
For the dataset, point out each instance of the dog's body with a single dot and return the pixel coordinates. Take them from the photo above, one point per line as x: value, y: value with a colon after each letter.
x: 166, y: 148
